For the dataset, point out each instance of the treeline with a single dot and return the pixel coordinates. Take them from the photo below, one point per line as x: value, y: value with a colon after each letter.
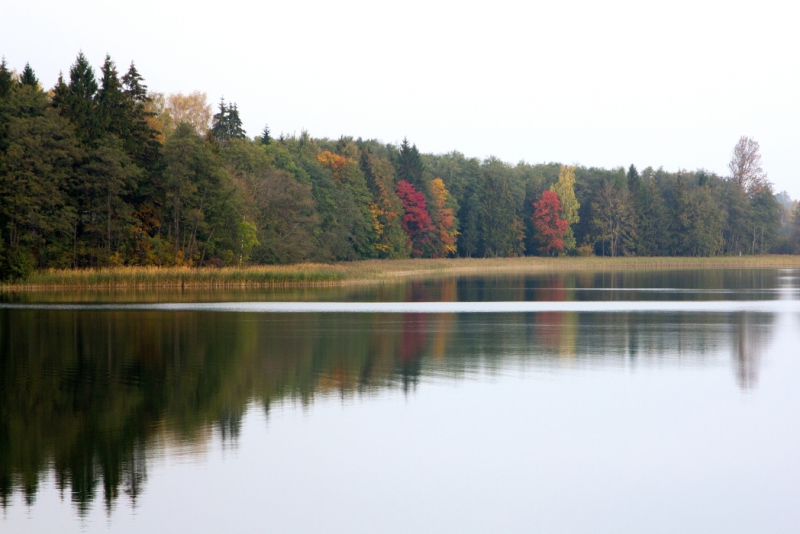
x: 99, y: 171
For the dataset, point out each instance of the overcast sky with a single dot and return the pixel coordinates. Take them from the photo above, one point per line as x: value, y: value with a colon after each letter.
x: 607, y: 84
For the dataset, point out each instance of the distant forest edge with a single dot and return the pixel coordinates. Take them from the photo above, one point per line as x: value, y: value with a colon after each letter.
x: 100, y: 172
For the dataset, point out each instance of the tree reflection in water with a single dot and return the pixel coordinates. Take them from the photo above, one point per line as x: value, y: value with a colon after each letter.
x: 86, y: 395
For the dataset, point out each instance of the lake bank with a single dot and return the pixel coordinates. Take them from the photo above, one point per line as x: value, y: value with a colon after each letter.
x: 371, y: 271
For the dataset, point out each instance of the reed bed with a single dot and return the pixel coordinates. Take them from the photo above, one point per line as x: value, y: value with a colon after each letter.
x: 180, y: 277
x: 310, y: 274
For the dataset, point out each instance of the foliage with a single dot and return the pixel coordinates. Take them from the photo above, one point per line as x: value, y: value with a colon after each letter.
x: 99, y: 171
x: 417, y: 223
x: 565, y: 189
x: 613, y: 220
x: 550, y: 227
x: 446, y: 231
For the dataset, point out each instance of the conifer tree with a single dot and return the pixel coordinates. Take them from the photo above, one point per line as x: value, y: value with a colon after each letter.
x: 265, y: 136
x: 134, y: 88
x: 28, y: 77
x: 226, y: 124
x: 79, y: 104
x: 220, y: 128
x: 409, y: 166
x: 6, y: 80
x: 110, y: 100
x: 235, y: 130
x: 60, y: 93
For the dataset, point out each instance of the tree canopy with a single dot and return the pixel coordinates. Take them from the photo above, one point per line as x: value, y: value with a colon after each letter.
x: 101, y: 171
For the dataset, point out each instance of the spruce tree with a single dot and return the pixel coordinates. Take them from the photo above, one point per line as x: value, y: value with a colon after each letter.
x: 219, y: 122
x: 265, y: 136
x: 6, y: 80
x: 110, y: 101
x: 60, y: 93
x: 235, y: 130
x: 80, y: 105
x: 28, y: 77
x: 141, y: 141
x: 409, y: 166
x: 134, y: 88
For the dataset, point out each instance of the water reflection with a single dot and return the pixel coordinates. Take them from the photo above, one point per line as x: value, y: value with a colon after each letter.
x: 87, y: 396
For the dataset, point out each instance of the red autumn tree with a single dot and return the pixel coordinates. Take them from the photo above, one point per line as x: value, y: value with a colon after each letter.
x: 417, y: 223
x: 550, y: 228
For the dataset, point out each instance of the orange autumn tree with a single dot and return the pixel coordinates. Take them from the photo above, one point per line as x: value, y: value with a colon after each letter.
x: 333, y: 162
x: 444, y: 221
x: 550, y: 228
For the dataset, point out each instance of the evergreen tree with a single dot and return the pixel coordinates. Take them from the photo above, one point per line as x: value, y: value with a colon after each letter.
x: 6, y: 80
x: 220, y: 128
x: 409, y: 166
x: 265, y: 136
x: 110, y: 101
x: 39, y: 155
x: 235, y: 130
x: 79, y: 104
x: 60, y: 93
x: 28, y: 77
x: 132, y: 81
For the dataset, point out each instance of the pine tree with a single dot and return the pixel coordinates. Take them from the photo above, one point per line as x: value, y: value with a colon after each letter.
x: 265, y: 136
x: 28, y: 77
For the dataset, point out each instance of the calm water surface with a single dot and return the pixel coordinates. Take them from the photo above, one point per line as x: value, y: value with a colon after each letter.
x: 588, y: 402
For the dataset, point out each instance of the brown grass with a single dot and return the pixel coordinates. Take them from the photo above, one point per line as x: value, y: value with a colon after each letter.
x: 311, y: 274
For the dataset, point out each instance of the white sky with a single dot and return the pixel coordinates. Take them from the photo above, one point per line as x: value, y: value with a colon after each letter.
x: 590, y: 82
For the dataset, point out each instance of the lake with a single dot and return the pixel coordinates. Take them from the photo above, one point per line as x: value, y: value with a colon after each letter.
x: 663, y: 401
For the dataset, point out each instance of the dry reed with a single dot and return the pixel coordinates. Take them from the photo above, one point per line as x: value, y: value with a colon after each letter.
x: 366, y: 271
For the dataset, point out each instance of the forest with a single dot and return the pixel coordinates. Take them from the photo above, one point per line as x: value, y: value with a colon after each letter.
x: 99, y: 171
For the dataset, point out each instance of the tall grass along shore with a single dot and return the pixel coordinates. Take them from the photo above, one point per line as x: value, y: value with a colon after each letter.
x: 317, y: 274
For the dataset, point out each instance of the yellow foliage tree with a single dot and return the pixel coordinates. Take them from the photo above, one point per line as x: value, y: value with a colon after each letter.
x: 565, y: 189
x: 444, y: 220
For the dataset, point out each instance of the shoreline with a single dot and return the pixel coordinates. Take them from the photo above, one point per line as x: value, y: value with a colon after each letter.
x: 367, y: 271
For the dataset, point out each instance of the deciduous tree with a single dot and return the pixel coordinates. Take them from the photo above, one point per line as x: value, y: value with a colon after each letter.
x: 550, y: 227
x: 417, y: 223
x: 565, y: 189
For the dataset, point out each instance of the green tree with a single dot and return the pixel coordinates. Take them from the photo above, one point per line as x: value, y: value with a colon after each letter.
x: 197, y: 195
x: 281, y: 208
x: 613, y: 221
x: 38, y: 157
x: 499, y: 223
x: 78, y: 102
x: 28, y: 77
x: 6, y: 80
x: 410, y: 167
